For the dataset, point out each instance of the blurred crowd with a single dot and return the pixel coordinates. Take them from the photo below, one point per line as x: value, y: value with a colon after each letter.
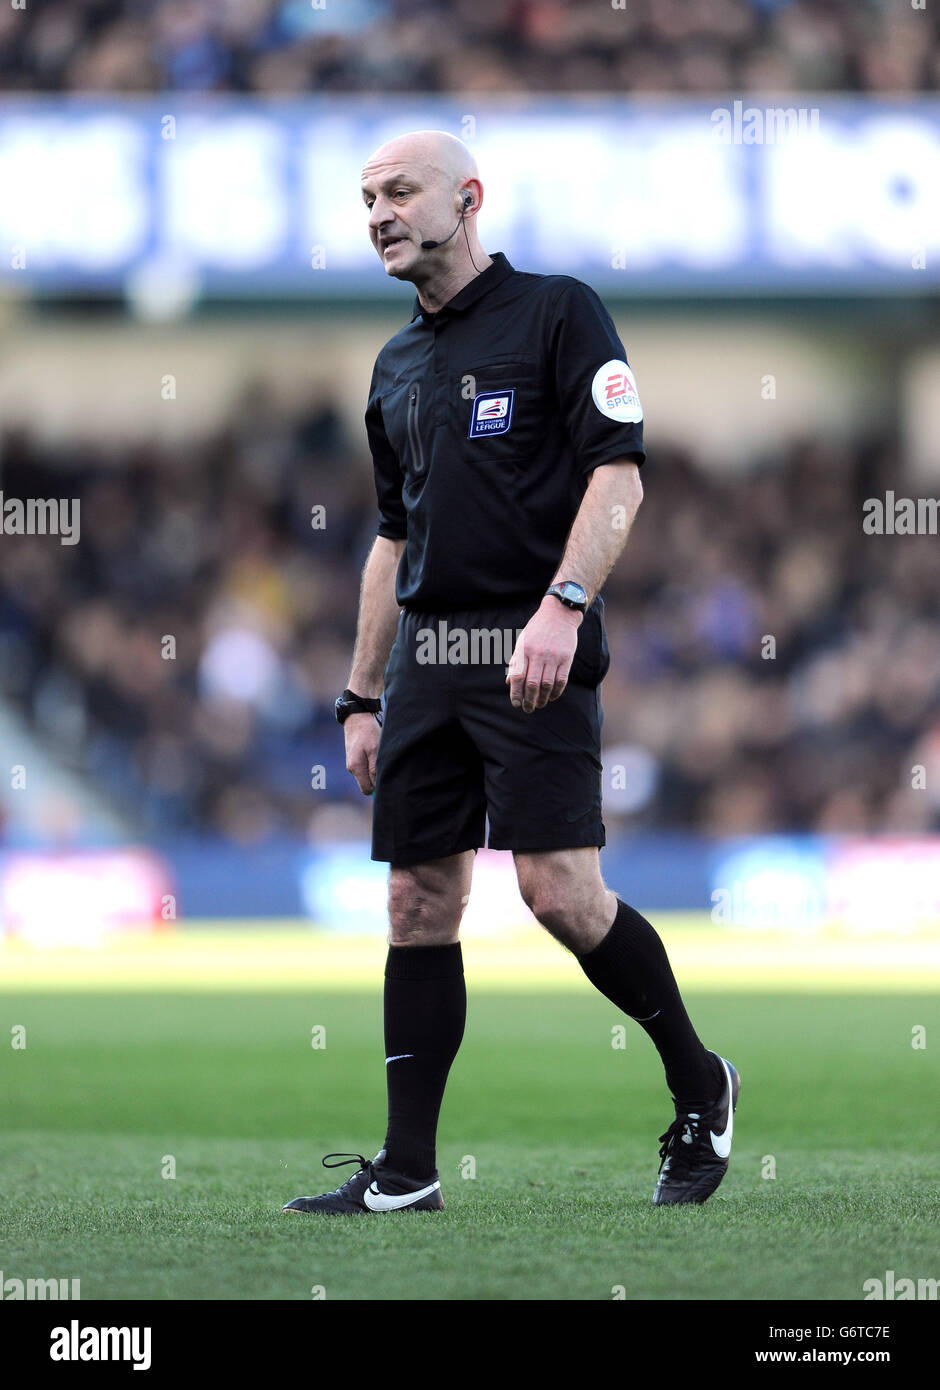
x: 466, y: 46
x: 773, y: 667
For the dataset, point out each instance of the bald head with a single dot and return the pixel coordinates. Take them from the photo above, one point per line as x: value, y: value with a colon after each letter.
x: 423, y: 186
x: 435, y: 151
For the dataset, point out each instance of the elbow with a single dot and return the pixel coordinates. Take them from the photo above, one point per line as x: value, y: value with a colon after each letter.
x: 620, y: 478
x: 632, y: 485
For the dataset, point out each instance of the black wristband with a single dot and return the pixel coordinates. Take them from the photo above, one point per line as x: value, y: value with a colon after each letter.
x: 351, y: 703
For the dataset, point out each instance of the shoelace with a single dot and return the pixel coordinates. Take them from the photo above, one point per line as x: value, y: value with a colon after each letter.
x: 345, y: 1159
x: 683, y: 1130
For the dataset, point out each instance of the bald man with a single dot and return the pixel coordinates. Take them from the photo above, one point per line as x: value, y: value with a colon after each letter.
x: 506, y: 437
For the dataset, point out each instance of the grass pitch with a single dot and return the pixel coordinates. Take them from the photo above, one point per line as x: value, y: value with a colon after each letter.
x: 834, y: 1176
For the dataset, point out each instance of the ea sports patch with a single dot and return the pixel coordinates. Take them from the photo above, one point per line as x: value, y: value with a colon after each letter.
x: 615, y: 394
x: 492, y: 413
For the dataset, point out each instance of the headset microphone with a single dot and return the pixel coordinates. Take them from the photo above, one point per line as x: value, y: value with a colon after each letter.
x: 467, y: 202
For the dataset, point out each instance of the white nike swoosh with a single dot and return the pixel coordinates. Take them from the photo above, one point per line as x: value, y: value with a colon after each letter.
x: 380, y: 1201
x: 721, y: 1143
x: 399, y: 1056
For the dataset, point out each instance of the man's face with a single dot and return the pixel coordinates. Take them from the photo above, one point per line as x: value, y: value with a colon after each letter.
x: 405, y: 208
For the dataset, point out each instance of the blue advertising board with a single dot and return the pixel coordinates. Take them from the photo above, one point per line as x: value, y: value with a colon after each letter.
x: 245, y: 197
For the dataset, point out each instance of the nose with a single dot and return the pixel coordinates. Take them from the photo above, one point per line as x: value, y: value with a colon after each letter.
x: 379, y: 214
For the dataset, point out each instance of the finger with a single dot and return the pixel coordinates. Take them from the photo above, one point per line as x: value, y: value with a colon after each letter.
x: 546, y: 685
x: 561, y: 681
x: 532, y: 687
x: 516, y: 676
x: 359, y: 767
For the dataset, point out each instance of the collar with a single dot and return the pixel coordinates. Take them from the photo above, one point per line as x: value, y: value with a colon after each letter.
x: 480, y: 285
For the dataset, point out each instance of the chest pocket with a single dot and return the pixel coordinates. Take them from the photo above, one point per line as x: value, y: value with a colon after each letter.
x: 503, y: 421
x: 407, y: 416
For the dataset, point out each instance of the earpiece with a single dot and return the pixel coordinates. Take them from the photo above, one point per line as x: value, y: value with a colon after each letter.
x: 466, y: 199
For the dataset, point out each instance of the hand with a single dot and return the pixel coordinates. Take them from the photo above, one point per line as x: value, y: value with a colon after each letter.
x: 541, y: 661
x: 362, y: 746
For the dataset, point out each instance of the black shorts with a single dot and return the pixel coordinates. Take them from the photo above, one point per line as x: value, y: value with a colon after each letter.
x: 453, y: 751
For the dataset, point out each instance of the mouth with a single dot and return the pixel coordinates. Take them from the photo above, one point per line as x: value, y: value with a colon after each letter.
x: 388, y: 243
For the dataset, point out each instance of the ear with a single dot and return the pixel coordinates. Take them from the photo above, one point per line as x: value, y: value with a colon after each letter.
x: 470, y: 198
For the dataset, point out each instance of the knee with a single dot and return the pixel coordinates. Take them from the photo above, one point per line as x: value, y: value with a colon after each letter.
x: 546, y: 898
x: 420, y: 913
x: 572, y: 904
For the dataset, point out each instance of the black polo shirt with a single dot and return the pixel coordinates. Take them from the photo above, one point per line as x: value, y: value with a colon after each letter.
x: 485, y: 420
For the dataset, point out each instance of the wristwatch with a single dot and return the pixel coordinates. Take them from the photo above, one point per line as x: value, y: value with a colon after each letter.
x: 349, y: 703
x: 570, y: 594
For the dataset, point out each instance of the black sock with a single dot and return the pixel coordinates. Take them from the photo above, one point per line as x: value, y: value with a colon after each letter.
x: 631, y: 968
x: 425, y: 1013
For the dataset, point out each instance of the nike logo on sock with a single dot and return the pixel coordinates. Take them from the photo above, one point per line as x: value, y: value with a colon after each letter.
x: 398, y: 1057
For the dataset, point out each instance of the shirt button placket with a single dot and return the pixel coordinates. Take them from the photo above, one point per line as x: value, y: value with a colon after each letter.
x: 441, y: 403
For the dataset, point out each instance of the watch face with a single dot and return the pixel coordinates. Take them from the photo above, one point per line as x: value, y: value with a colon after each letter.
x: 574, y: 592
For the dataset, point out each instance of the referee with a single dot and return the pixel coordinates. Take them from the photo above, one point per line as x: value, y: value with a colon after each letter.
x: 506, y: 436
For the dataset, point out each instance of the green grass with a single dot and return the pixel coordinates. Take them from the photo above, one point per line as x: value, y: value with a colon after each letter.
x: 563, y: 1130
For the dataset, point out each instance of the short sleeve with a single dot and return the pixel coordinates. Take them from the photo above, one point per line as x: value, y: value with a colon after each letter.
x: 393, y: 521
x: 595, y: 386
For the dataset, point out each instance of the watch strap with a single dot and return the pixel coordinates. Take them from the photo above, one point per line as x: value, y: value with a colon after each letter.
x: 351, y: 703
x: 558, y: 591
